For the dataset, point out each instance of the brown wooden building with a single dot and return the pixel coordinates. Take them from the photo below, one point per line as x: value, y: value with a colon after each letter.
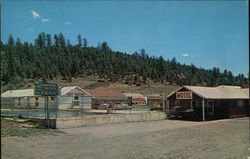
x: 212, y: 102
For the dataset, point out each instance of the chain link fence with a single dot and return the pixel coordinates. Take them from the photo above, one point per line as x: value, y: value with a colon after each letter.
x: 60, y: 106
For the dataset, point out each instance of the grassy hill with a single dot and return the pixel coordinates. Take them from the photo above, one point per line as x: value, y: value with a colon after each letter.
x: 92, y: 82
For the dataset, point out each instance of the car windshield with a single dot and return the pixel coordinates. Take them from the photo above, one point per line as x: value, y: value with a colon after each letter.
x: 178, y: 109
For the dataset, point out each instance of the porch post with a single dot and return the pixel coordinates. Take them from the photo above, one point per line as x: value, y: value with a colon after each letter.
x: 203, y: 110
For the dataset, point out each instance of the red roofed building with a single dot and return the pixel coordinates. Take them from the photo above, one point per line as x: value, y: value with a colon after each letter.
x: 106, y: 97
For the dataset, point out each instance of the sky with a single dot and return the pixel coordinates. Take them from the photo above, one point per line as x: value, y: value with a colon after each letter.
x: 205, y: 33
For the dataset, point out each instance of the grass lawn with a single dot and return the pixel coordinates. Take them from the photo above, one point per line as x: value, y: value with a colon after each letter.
x: 13, y: 126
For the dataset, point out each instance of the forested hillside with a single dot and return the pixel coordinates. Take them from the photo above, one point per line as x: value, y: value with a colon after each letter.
x: 54, y: 56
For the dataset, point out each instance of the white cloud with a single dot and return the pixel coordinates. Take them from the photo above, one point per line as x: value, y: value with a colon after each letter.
x: 35, y: 14
x: 185, y: 55
x: 68, y: 23
x: 44, y: 20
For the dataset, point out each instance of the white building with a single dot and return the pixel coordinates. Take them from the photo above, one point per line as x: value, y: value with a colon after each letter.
x: 74, y: 97
x: 70, y: 97
x: 21, y: 98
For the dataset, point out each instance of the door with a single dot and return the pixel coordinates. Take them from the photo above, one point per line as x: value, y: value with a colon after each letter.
x: 210, y: 108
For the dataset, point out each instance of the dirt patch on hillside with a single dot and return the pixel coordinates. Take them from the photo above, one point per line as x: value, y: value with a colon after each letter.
x: 93, y: 83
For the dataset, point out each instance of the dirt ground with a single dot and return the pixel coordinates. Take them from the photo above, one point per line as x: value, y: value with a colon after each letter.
x: 170, y: 139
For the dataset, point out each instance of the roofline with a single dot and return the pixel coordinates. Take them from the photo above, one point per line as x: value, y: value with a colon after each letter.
x: 195, y: 92
x: 227, y: 98
x: 140, y: 95
x: 187, y: 89
x: 78, y: 88
x: 174, y: 92
x: 84, y: 91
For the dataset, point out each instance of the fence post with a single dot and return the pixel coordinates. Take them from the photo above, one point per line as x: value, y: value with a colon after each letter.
x: 27, y: 104
x: 57, y: 105
x: 12, y: 103
x: 47, y: 110
x: 82, y: 106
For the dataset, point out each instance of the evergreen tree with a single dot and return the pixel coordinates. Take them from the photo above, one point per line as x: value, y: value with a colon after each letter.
x: 104, y: 46
x: 61, y: 59
x: 79, y: 39
x: 85, y: 43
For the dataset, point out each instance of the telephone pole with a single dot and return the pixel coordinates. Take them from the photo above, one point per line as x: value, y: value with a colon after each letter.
x: 165, y: 97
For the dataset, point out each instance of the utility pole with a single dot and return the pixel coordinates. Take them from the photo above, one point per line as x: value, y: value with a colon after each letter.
x: 82, y: 106
x: 11, y: 100
x: 165, y: 98
x: 47, y: 109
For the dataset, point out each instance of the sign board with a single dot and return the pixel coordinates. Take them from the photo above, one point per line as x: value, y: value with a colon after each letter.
x: 139, y: 100
x: 46, y: 89
x: 184, y: 95
x: 75, y: 94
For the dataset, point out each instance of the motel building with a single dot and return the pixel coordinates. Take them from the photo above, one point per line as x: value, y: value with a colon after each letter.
x: 136, y: 98
x: 212, y: 102
x: 68, y: 98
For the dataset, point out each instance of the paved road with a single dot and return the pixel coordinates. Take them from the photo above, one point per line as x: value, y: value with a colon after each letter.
x: 143, y: 140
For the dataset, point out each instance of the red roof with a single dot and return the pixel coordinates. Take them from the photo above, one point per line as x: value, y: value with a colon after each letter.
x: 106, y: 93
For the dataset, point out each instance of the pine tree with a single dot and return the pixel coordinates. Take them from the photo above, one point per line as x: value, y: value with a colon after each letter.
x: 79, y: 40
x: 85, y: 43
x: 10, y: 58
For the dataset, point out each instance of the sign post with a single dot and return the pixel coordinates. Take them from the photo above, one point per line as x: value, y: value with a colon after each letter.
x: 47, y: 90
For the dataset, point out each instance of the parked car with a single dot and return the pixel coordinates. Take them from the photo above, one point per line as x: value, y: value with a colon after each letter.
x: 157, y: 107
x: 179, y: 111
x: 119, y: 107
x: 102, y: 106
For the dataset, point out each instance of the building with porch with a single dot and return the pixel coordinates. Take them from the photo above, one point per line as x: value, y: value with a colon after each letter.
x: 69, y: 97
x: 212, y: 102
x: 23, y: 98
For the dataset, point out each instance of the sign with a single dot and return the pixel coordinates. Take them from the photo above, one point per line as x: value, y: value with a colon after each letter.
x: 138, y: 100
x: 184, y: 95
x: 46, y: 89
x: 75, y: 94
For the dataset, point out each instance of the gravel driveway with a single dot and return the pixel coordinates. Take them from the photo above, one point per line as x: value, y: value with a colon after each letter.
x: 169, y: 139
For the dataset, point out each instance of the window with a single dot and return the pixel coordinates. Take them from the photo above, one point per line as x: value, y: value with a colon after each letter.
x: 192, y: 104
x: 19, y: 99
x: 240, y: 103
x: 51, y: 98
x: 233, y: 103
x: 210, y: 106
x: 210, y: 103
x: 75, y: 98
x: 177, y: 103
x: 36, y: 98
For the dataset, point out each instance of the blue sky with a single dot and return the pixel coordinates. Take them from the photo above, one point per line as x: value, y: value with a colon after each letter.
x: 206, y: 33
